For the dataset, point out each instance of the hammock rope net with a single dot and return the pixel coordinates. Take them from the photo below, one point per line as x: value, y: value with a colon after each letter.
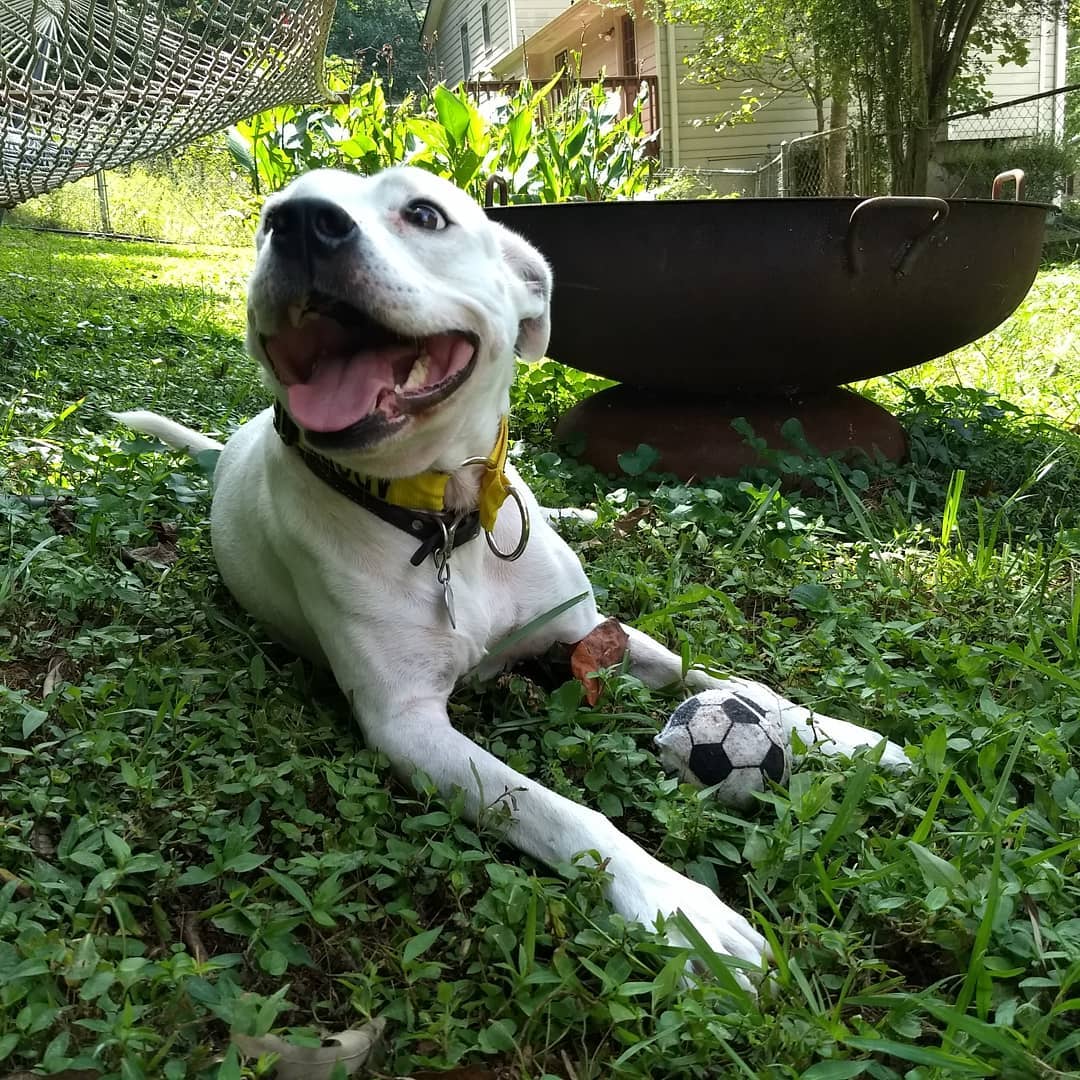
x: 87, y: 85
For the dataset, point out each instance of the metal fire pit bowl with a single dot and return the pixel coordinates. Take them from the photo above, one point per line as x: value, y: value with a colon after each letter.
x: 776, y: 295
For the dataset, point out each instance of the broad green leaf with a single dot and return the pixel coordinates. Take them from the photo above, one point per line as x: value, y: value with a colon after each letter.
x: 498, y: 1037
x: 835, y: 1070
x: 641, y: 460
x: 453, y: 114
x: 257, y: 670
x: 935, y: 869
x: 196, y: 875
x: 812, y: 596
x: 32, y: 719
x: 292, y: 887
x: 519, y: 128
x: 245, y: 861
x: 417, y: 946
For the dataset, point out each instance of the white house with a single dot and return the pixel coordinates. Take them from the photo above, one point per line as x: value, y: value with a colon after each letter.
x: 509, y: 39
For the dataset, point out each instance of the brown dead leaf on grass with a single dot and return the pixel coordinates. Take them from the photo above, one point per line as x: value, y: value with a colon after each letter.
x: 629, y: 521
x: 163, y: 553
x: 22, y: 890
x: 62, y: 517
x: 603, y: 647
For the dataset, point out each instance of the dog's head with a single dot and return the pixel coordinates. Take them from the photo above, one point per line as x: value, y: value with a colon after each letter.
x: 387, y: 311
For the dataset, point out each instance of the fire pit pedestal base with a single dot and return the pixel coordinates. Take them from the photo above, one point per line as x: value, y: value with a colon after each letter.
x: 693, y: 434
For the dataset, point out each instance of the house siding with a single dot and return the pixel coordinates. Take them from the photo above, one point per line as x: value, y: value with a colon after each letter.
x: 534, y: 15
x: 1012, y: 81
x: 738, y: 146
x: 448, y: 63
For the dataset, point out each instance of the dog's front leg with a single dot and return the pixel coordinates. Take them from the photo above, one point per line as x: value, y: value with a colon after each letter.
x: 658, y: 667
x: 415, y: 733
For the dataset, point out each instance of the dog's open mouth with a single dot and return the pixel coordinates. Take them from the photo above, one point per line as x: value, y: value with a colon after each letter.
x: 339, y: 366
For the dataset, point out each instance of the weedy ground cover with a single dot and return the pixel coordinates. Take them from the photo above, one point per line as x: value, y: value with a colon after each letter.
x: 195, y: 839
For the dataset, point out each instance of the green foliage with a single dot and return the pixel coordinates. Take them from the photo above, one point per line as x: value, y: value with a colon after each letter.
x: 196, y: 841
x: 578, y: 149
x: 1047, y: 164
x: 382, y: 37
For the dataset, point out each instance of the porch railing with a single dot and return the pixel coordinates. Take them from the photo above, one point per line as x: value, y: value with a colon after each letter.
x: 629, y: 86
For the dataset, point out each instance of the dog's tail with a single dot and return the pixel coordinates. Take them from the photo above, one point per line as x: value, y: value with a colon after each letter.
x: 168, y: 431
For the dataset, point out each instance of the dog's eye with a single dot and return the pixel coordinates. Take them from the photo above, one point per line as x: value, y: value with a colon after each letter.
x: 425, y: 215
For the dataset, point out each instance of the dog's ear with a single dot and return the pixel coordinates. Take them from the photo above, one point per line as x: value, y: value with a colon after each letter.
x: 531, y: 286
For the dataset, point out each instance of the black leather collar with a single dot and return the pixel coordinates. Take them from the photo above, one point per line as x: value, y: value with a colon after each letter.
x: 435, y: 531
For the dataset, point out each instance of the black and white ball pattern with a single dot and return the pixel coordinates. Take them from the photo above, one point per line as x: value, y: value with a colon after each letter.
x: 729, y: 738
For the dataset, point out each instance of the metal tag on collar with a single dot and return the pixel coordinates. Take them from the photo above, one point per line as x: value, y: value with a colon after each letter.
x: 441, y: 556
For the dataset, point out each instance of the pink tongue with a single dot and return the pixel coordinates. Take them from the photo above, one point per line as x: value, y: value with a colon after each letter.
x: 343, y: 389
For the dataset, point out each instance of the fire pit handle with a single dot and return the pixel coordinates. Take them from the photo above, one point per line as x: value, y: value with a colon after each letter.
x: 495, y: 181
x: 938, y: 208
x: 1017, y: 176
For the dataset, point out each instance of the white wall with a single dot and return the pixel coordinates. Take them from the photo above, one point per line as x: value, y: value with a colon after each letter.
x: 1041, y: 72
x: 701, y: 145
x: 448, y: 42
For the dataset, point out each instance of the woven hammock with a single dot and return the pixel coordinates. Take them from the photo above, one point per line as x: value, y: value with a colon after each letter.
x: 87, y: 85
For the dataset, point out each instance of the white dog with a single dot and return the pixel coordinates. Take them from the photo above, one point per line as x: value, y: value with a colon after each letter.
x: 386, y: 313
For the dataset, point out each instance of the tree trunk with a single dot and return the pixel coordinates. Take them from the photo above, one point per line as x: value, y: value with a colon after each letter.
x: 836, y: 147
x: 917, y: 160
x: 917, y: 150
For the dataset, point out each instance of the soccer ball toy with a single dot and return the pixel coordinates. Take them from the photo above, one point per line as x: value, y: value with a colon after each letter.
x: 730, y: 738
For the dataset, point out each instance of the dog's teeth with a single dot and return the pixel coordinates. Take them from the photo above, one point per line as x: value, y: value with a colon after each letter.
x: 419, y: 373
x: 296, y: 314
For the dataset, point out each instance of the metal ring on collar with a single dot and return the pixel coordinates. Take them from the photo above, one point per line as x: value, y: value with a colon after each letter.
x: 485, y: 461
x: 523, y: 510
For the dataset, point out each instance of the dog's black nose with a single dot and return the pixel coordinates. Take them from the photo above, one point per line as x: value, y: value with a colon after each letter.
x: 309, y: 226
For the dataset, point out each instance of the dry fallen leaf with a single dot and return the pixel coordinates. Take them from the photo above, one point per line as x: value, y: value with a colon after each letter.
x: 603, y: 647
x: 61, y: 518
x: 156, y: 554
x: 351, y: 1049
x: 627, y: 523
x: 42, y: 841
x: 189, y: 931
x: 52, y: 677
x: 21, y: 888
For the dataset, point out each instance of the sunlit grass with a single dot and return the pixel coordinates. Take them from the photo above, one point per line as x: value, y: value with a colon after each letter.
x: 195, y: 841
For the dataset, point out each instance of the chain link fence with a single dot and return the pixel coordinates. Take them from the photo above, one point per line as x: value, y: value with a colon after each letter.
x: 192, y: 195
x: 1039, y: 134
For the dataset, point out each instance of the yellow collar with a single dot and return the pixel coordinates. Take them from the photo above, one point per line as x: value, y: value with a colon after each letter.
x: 427, y: 491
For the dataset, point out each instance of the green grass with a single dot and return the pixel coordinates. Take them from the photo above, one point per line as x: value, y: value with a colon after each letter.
x: 195, y: 839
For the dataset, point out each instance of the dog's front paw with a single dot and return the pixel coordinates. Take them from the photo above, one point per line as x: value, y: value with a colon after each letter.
x: 659, y: 891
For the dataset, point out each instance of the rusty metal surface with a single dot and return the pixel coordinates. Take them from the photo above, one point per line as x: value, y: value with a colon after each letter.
x: 695, y: 439
x: 765, y: 295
